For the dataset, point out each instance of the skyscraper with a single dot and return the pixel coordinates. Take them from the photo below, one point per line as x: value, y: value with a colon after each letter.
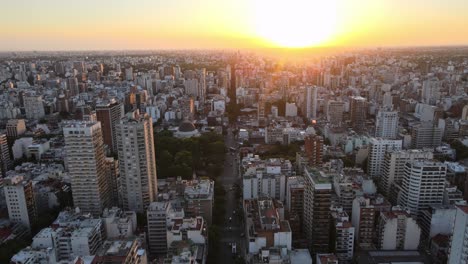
x: 109, y: 114
x: 85, y: 159
x: 386, y: 124
x: 358, y: 112
x: 311, y: 102
x: 423, y: 185
x: 138, y: 180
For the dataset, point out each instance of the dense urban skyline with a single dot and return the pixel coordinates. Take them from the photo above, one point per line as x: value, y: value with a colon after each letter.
x: 179, y: 24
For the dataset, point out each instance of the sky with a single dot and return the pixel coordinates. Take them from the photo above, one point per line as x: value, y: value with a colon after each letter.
x: 208, y: 24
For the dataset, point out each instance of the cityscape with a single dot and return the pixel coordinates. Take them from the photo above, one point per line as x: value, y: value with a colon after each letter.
x: 311, y: 132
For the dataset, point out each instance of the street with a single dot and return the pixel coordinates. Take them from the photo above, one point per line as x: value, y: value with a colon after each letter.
x: 232, y: 230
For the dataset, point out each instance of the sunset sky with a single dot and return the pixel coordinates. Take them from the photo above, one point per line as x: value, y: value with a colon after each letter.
x: 178, y: 24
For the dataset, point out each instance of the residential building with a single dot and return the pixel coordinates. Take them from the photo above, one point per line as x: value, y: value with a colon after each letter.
x: 85, y: 159
x: 397, y: 230
x: 20, y: 200
x: 458, y: 253
x: 5, y: 160
x: 426, y: 136
x: 313, y: 145
x: 344, y: 235
x: 317, y: 203
x: 109, y: 114
x: 33, y: 106
x: 335, y: 111
x: 393, y: 167
x: 386, y: 124
x: 311, y: 102
x: 157, y: 237
x: 378, y: 148
x: 138, y: 179
x: 358, y: 112
x: 423, y: 185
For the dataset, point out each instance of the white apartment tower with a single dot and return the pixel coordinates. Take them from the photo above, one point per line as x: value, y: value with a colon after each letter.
x: 422, y: 186
x: 378, y: 148
x: 394, y: 163
x: 386, y: 124
x: 19, y: 196
x: 397, y: 230
x: 85, y: 159
x: 138, y: 179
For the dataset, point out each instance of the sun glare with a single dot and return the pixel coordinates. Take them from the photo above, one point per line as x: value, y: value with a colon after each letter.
x: 295, y: 23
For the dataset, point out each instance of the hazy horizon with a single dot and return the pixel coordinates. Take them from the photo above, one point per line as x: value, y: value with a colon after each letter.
x: 53, y: 25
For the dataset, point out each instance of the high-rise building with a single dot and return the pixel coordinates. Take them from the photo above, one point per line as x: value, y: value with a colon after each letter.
x: 311, y: 102
x: 20, y: 200
x: 129, y: 74
x: 344, y: 235
x: 317, y: 203
x: 397, y: 230
x: 113, y: 179
x: 423, y: 185
x: 33, y: 106
x: 431, y: 91
x: 295, y: 206
x: 157, y: 227
x: 5, y: 160
x: 358, y: 112
x: 15, y: 128
x: 313, y: 145
x: 85, y: 159
x: 291, y: 110
x: 386, y: 124
x: 364, y: 218
x: 138, y: 180
x: 378, y: 148
x: 202, y: 85
x: 464, y: 115
x: 394, y: 163
x: 109, y: 113
x: 426, y: 136
x: 459, y: 243
x: 335, y: 111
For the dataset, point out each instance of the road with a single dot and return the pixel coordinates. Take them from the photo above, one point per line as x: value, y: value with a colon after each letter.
x: 231, y: 231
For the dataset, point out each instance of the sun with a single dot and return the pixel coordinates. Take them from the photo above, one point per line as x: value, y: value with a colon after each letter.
x: 295, y: 23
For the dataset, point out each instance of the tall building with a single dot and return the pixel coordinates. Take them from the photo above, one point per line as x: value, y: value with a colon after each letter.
x: 109, y: 113
x: 129, y: 74
x: 364, y: 218
x: 33, y: 107
x: 378, y: 148
x: 397, y: 230
x: 202, y: 85
x: 344, y: 235
x: 459, y: 243
x: 394, y: 163
x: 5, y: 160
x: 386, y: 124
x: 295, y: 207
x: 113, y: 179
x: 335, y: 111
x: 157, y: 228
x: 464, y: 115
x: 431, y: 91
x: 426, y: 136
x: 138, y: 179
x: 423, y: 185
x: 311, y: 102
x: 358, y: 112
x: 20, y: 200
x: 313, y: 145
x: 85, y: 160
x: 15, y: 128
x: 317, y: 203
